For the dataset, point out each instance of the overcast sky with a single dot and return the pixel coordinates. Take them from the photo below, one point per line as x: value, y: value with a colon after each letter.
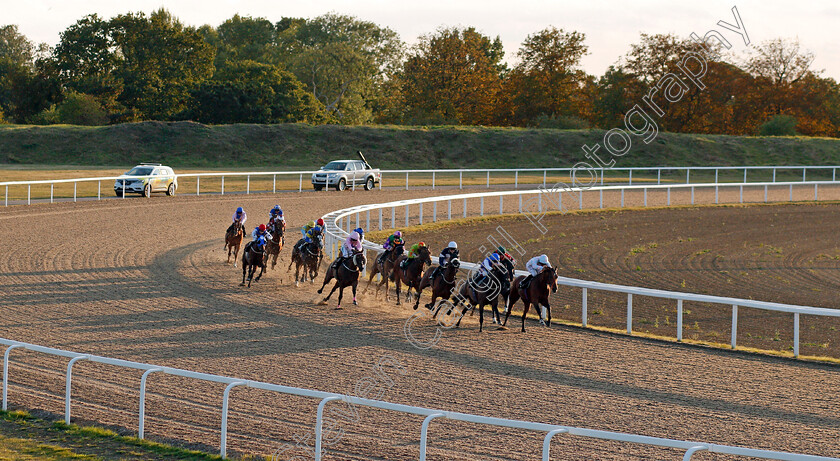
x: 610, y: 26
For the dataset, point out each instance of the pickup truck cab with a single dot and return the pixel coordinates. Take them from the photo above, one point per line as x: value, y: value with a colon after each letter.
x: 342, y: 174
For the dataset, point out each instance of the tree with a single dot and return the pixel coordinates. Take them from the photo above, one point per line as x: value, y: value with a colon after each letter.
x: 342, y: 60
x: 547, y: 80
x: 250, y: 92
x: 24, y: 89
x: 453, y: 76
x: 779, y: 125
x: 160, y: 61
x: 243, y: 39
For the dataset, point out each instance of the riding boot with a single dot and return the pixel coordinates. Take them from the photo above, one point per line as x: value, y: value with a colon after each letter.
x: 526, y: 282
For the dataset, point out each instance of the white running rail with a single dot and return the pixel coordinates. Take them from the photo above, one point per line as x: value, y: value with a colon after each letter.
x: 339, y: 223
x: 508, y: 176
x: 550, y: 430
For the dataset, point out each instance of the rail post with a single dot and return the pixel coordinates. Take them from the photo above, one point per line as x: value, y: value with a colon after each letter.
x: 75, y: 184
x: 584, y: 310
x: 515, y: 180
x: 98, y: 190
x: 460, y: 180
x: 465, y: 208
x: 645, y: 191
x: 765, y: 193
x: 631, y: 177
x: 501, y: 205
x: 433, y: 180
x: 6, y: 375
x: 29, y: 194
x: 141, y: 424
x: 716, y: 194
x: 68, y: 385
x: 734, y: 326
x: 406, y: 180
x: 393, y: 217
x: 367, y: 221
x: 319, y: 424
x: 815, y: 191
x: 745, y: 175
x: 421, y: 214
x: 7, y: 195
x: 679, y: 320
x: 629, y: 313
x: 545, y: 173
x: 406, y: 215
x: 547, y: 442
x: 52, y: 187
x: 804, y: 169
x: 424, y: 433
x: 488, y: 179
x: 716, y: 176
x: 692, y: 195
x: 658, y: 176
x: 223, y: 185
x: 300, y: 183
x: 273, y: 184
x: 449, y: 210
x: 248, y: 185
x: 601, y: 198
x: 482, y: 205
x: 741, y: 194
x: 796, y: 334
x: 225, y: 406
x: 380, y: 219
x: 197, y: 185
x: 434, y: 211
x: 622, y: 198
x: 123, y: 188
x: 668, y: 190
x: 774, y: 174
x: 687, y: 175
x: 791, y: 193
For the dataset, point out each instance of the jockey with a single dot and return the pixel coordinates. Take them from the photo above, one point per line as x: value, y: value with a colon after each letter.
x: 491, y: 262
x: 277, y: 218
x: 413, y: 252
x: 240, y: 217
x: 307, y: 227
x: 507, y: 261
x: 311, y: 233
x: 361, y: 233
x: 392, y: 243
x: 534, y: 266
x: 260, y: 232
x: 351, y: 246
x: 448, y: 254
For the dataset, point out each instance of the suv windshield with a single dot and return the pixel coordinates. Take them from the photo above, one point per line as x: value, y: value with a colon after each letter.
x: 140, y: 171
x: 336, y: 166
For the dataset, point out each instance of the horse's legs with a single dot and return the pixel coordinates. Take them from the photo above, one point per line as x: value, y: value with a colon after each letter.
x: 397, y: 285
x: 548, y: 313
x: 340, y: 293
x: 244, y: 270
x: 481, y: 317
x: 354, y: 286
x: 525, y: 313
x: 262, y: 270
x: 514, y: 296
x: 333, y: 291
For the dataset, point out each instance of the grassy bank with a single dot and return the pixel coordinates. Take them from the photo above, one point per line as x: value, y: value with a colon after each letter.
x: 298, y: 146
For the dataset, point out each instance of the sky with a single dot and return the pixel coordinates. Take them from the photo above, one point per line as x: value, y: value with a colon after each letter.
x: 610, y: 26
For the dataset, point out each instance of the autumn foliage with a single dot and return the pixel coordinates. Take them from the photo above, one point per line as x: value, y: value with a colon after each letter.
x: 341, y: 69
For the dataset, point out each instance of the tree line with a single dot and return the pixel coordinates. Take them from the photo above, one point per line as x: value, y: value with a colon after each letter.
x: 341, y: 69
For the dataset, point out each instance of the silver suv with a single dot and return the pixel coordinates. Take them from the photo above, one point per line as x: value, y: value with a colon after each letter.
x: 146, y: 178
x: 342, y: 174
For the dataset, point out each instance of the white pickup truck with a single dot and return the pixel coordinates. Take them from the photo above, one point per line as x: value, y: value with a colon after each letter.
x: 342, y: 174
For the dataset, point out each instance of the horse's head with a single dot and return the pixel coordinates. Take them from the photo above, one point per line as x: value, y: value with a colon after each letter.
x: 455, y: 263
x: 425, y: 255
x: 360, y: 260
x: 318, y: 239
x: 551, y: 275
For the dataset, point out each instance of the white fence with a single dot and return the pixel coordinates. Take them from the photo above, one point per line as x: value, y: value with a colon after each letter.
x: 550, y: 430
x: 513, y: 176
x: 340, y: 222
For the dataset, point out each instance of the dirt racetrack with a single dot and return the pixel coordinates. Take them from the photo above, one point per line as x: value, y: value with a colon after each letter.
x: 146, y: 280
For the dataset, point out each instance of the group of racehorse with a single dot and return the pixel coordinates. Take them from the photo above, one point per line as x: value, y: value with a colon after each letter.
x: 415, y: 273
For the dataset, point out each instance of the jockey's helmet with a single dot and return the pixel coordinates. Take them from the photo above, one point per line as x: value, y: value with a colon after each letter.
x: 421, y: 244
x: 320, y: 222
x: 354, y: 236
x: 239, y: 210
x: 495, y: 257
x: 543, y: 260
x: 453, y: 245
x: 262, y: 228
x: 501, y: 250
x: 398, y: 234
x: 311, y: 224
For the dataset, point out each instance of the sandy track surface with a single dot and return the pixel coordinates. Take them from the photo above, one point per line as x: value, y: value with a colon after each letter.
x: 146, y: 280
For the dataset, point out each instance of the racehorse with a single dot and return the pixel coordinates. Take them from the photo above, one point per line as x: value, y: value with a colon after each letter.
x: 442, y: 284
x: 275, y: 245
x: 410, y: 275
x: 479, y: 295
x: 252, y: 257
x: 233, y: 240
x: 537, y: 293
x: 384, y: 266
x: 308, y: 256
x: 346, y: 275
